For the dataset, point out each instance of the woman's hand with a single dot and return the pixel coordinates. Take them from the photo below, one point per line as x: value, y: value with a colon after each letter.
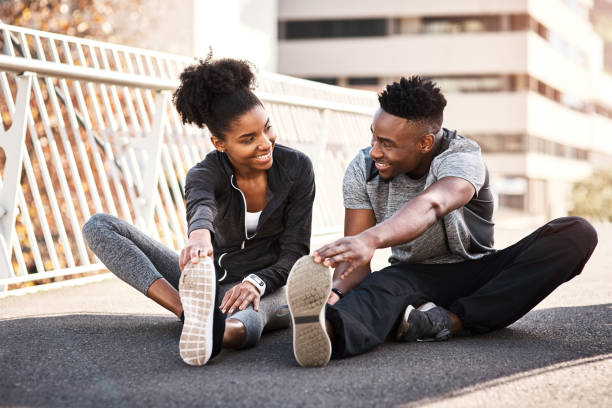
x: 199, y: 245
x: 240, y: 297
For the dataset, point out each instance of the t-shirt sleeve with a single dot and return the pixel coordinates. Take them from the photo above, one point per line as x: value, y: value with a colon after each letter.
x: 467, y: 165
x: 354, y: 185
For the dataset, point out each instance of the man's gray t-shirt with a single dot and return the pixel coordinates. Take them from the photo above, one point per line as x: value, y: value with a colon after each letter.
x: 464, y: 233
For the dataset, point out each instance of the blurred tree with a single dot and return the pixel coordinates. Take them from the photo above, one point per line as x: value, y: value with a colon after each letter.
x: 592, y: 197
x: 82, y: 18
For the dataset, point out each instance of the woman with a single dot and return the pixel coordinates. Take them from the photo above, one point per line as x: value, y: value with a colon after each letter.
x: 249, y: 211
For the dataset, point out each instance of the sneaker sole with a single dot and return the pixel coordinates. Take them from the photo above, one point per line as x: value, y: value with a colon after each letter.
x: 308, y: 288
x: 441, y: 336
x: 197, y: 291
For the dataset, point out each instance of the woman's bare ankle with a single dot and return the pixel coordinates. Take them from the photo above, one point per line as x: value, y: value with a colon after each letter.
x: 166, y: 295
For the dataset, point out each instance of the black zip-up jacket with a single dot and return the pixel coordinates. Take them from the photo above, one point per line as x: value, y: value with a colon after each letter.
x: 214, y: 202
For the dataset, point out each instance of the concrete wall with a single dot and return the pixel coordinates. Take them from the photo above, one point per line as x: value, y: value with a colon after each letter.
x: 552, y: 121
x: 554, y: 69
x: 602, y: 134
x: 237, y: 28
x: 537, y: 166
x: 321, y: 9
x: 475, y: 113
x: 472, y: 53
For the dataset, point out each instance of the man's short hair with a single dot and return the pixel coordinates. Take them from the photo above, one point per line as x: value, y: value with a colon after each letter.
x: 414, y: 99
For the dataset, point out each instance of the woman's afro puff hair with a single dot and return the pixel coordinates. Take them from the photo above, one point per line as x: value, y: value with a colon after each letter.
x: 206, y: 84
x: 413, y: 98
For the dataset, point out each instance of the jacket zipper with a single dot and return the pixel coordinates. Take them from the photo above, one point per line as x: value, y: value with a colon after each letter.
x: 220, y: 266
x: 246, y: 235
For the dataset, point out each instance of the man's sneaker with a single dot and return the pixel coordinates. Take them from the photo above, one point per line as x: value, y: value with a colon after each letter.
x: 427, y: 323
x: 204, y: 324
x: 308, y: 288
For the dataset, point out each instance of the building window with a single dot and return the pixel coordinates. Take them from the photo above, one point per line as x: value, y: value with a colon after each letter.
x: 513, y: 201
x: 363, y: 81
x: 528, y: 83
x: 500, y: 143
x: 551, y: 148
x: 328, y: 81
x: 293, y: 30
x: 566, y: 49
x: 577, y: 8
x: 468, y: 24
x: 475, y: 83
x: 602, y: 110
x: 520, y: 143
x: 512, y: 192
x: 519, y: 22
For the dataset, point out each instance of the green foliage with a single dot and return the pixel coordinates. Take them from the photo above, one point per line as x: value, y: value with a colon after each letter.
x: 592, y: 197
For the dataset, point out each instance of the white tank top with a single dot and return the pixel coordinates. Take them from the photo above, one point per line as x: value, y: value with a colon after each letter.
x: 252, y: 219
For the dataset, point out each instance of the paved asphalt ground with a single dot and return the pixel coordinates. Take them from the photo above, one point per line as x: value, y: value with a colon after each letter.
x: 105, y: 345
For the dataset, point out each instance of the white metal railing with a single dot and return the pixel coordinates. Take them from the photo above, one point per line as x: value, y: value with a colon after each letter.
x: 90, y: 128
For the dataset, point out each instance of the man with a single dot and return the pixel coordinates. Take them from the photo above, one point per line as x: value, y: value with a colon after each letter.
x: 423, y: 191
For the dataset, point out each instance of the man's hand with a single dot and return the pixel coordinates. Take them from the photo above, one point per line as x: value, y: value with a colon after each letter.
x: 356, y: 251
x: 198, y: 246
x: 240, y: 297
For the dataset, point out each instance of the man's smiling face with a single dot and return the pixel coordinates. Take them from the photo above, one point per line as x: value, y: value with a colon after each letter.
x: 400, y: 146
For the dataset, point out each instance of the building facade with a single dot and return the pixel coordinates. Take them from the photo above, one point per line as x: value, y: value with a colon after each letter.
x: 238, y: 28
x: 524, y: 78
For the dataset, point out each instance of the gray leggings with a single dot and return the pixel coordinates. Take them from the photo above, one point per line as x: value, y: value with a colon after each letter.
x: 140, y: 260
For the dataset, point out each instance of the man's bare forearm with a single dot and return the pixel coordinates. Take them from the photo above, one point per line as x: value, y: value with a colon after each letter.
x: 420, y: 213
x: 406, y: 224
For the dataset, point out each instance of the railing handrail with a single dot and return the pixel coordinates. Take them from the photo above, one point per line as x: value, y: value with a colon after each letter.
x: 57, y: 70
x: 78, y: 73
x: 95, y: 43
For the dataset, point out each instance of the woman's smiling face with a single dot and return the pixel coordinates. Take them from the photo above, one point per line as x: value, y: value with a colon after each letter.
x: 249, y: 142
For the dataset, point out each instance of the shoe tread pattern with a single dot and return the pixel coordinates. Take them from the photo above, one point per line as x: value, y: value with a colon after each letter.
x: 197, y: 291
x: 308, y: 288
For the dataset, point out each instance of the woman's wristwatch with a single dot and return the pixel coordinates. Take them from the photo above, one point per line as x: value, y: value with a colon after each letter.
x: 257, y: 282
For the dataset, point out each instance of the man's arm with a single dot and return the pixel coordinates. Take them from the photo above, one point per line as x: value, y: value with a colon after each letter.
x: 414, y: 218
x: 355, y: 222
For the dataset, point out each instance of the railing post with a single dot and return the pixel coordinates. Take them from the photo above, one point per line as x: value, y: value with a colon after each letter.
x: 152, y: 146
x: 322, y: 145
x: 13, y: 143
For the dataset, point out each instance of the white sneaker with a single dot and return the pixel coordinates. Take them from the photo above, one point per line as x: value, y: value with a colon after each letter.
x: 197, y: 287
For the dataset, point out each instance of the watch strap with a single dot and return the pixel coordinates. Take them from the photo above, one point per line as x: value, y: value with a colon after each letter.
x: 338, y: 292
x: 257, y: 282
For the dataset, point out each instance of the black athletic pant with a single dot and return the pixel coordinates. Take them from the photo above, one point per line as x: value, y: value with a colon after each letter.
x: 486, y: 294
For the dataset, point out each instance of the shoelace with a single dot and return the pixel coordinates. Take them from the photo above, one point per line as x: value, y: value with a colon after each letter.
x: 279, y: 308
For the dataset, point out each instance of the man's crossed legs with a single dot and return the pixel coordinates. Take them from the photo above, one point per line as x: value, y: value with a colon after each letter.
x: 484, y: 294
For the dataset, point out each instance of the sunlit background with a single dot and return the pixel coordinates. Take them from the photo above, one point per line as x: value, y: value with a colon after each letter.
x: 528, y: 79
